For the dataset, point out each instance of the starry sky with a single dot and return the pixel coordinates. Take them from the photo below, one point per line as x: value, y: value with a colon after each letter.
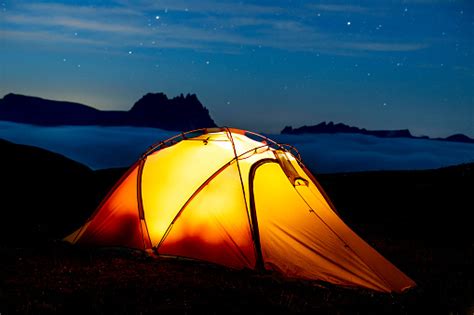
x: 255, y: 65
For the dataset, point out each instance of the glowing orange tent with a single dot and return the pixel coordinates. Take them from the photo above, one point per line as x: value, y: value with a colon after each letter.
x: 238, y: 199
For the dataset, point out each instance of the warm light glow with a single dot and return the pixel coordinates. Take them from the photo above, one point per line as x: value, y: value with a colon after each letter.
x: 214, y: 226
x: 172, y: 175
x: 116, y: 222
x: 242, y: 143
x: 369, y: 256
x: 295, y: 241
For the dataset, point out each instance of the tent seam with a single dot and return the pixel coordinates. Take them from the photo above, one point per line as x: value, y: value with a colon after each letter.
x: 240, y: 176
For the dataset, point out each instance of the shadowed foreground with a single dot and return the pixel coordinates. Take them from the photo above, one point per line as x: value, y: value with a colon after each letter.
x: 63, y: 279
x: 417, y: 220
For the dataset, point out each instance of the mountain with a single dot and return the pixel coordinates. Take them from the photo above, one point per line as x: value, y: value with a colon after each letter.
x: 342, y: 128
x: 459, y: 137
x: 181, y: 113
x: 332, y: 128
x: 154, y: 110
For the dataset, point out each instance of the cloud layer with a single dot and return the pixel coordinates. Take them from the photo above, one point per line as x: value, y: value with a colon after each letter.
x: 105, y: 147
x: 201, y: 25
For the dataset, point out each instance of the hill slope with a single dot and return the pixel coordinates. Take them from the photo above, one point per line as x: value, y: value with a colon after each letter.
x: 44, y: 195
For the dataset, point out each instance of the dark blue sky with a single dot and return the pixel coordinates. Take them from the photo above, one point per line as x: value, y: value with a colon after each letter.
x: 255, y: 65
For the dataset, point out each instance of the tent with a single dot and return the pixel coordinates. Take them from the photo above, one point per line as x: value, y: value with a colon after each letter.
x: 236, y: 198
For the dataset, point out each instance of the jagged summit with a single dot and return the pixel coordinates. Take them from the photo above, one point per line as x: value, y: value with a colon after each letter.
x: 156, y: 108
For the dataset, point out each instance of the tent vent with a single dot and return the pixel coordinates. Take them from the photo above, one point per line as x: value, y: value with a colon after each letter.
x: 289, y: 169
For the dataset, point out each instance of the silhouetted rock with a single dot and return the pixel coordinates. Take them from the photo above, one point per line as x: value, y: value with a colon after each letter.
x: 152, y: 110
x: 332, y: 128
x: 155, y: 109
x: 342, y: 128
x: 459, y: 137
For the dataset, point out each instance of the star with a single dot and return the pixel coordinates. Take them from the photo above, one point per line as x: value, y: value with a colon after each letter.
x: 130, y: 52
x: 157, y: 17
x: 207, y: 62
x: 348, y: 23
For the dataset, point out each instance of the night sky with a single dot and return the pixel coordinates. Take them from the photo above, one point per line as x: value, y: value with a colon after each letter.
x: 255, y: 65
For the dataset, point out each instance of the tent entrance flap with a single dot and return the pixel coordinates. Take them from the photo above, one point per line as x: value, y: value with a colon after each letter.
x: 259, y: 264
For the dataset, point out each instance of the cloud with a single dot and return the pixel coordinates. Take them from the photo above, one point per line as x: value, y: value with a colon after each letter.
x: 385, y: 47
x: 342, y: 8
x: 104, y: 147
x: 205, y: 7
x: 350, y: 152
x: 211, y: 26
x: 431, y: 1
x: 46, y: 36
x: 75, y: 24
x: 63, y: 9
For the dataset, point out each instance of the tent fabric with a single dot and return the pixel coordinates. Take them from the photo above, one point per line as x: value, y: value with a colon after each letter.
x: 235, y: 198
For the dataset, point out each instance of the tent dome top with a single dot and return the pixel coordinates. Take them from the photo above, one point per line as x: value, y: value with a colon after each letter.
x: 222, y: 133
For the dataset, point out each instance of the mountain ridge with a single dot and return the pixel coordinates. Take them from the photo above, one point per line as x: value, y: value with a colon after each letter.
x: 333, y: 128
x: 155, y: 110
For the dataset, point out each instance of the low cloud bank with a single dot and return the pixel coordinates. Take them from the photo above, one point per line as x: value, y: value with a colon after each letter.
x: 105, y: 147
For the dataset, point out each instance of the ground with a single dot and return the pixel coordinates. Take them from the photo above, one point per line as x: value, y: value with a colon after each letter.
x: 419, y: 220
x: 59, y: 278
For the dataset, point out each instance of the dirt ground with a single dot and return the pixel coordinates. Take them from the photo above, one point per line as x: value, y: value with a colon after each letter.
x: 68, y: 280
